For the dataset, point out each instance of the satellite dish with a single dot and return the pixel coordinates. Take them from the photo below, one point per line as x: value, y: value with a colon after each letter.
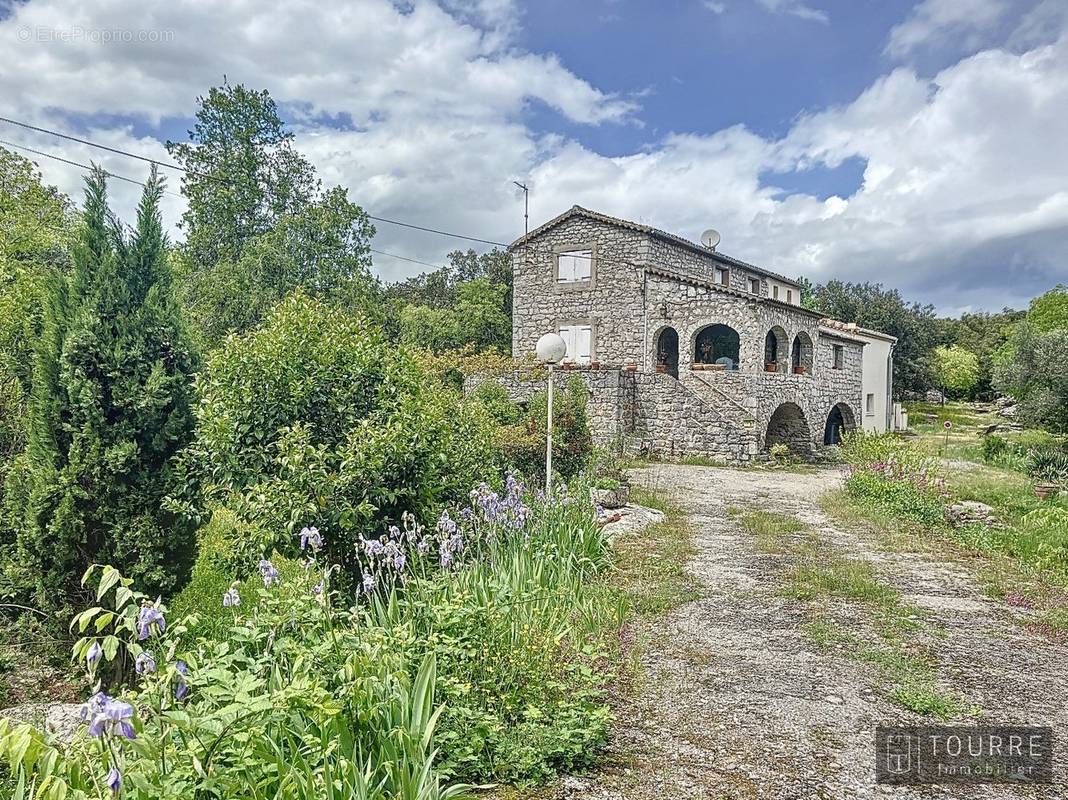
x: 710, y: 238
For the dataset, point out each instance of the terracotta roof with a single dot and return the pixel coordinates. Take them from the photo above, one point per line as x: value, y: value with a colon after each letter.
x: 651, y: 231
x: 854, y: 329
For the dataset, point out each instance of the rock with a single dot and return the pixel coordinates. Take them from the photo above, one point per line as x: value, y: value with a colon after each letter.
x: 934, y: 396
x: 969, y: 512
x: 1007, y: 411
x: 59, y: 719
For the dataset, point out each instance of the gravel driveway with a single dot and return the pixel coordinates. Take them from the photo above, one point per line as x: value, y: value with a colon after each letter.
x: 738, y: 703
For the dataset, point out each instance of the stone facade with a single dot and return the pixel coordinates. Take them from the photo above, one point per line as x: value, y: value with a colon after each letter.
x: 645, y: 284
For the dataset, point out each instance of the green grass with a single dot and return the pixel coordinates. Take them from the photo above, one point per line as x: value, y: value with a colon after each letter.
x: 774, y: 533
x: 651, y: 565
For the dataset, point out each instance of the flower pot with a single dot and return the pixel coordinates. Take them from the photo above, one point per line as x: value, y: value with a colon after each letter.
x: 633, y: 367
x: 716, y: 367
x: 662, y: 368
x: 799, y: 370
x: 698, y: 367
x: 1046, y: 490
x: 771, y: 366
x: 595, y: 365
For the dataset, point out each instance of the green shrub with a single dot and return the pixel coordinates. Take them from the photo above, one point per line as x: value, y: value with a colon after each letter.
x: 606, y: 483
x: 892, y: 475
x: 315, y: 419
x: 494, y: 398
x: 523, y: 445
x: 993, y: 446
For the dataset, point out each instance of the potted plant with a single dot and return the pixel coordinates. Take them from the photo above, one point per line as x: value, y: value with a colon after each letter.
x: 608, y: 492
x: 661, y: 368
x: 716, y: 367
x: 632, y: 366
x: 698, y: 366
x: 799, y: 370
x: 771, y: 366
x: 1048, y: 467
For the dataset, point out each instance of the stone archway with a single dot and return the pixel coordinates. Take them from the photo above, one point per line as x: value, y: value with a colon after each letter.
x: 801, y: 353
x: 667, y: 351
x: 717, y: 344
x: 788, y: 426
x: 840, y: 421
x: 775, y: 350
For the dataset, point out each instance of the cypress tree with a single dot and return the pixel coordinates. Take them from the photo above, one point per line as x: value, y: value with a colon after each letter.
x: 110, y: 406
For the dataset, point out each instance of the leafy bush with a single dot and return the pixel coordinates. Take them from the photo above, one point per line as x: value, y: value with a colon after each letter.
x: 778, y: 452
x: 993, y: 446
x: 893, y: 476
x: 494, y: 398
x: 523, y: 445
x: 606, y: 483
x: 315, y: 418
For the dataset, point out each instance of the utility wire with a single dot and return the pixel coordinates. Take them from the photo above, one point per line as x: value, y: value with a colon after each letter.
x: 6, y: 143
x: 180, y: 168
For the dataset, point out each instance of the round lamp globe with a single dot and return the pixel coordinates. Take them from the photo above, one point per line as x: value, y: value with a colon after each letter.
x: 551, y: 349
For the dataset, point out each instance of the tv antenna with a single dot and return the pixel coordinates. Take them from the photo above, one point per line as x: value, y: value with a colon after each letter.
x: 710, y: 239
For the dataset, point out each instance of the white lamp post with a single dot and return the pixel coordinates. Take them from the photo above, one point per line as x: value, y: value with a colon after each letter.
x: 551, y: 350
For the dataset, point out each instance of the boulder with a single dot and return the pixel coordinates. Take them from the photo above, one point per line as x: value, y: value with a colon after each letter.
x: 934, y: 396
x: 1009, y: 412
x: 970, y: 512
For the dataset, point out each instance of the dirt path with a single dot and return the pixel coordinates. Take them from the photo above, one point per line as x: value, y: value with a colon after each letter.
x: 737, y: 702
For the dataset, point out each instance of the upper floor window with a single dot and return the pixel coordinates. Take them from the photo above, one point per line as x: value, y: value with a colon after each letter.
x: 775, y: 292
x: 754, y: 285
x: 839, y: 356
x: 574, y: 266
x: 723, y: 276
x: 789, y: 295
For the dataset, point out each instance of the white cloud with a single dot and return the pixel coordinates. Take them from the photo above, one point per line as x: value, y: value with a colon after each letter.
x: 795, y: 8
x: 933, y: 22
x: 962, y: 202
x: 714, y: 7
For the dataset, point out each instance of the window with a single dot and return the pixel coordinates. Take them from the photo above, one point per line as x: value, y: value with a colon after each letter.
x: 869, y: 403
x: 839, y: 356
x: 754, y: 285
x: 579, y: 341
x: 574, y: 266
x: 723, y: 276
x: 789, y: 295
x: 775, y: 292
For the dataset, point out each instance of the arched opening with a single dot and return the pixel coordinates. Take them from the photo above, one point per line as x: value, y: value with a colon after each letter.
x: 801, y: 354
x: 775, y: 350
x: 788, y: 426
x: 839, y: 422
x: 717, y: 344
x: 667, y: 352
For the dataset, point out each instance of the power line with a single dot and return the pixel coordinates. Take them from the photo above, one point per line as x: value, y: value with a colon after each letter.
x: 6, y: 143
x: 180, y: 168
x: 406, y: 258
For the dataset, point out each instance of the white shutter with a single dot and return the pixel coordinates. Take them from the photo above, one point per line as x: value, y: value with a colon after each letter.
x: 583, y: 344
x: 567, y: 268
x: 583, y: 264
x: 574, y: 265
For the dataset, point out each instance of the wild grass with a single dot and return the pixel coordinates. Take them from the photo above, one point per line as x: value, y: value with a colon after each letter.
x: 774, y: 533
x: 651, y: 566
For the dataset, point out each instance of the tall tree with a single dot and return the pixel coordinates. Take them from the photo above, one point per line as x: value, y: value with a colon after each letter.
x: 872, y: 306
x: 985, y: 335
x: 110, y: 406
x: 1049, y: 311
x: 955, y: 369
x: 258, y: 223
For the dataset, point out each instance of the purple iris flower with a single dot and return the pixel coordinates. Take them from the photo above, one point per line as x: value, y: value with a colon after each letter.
x: 114, y: 780
x: 423, y: 547
x: 268, y: 573
x: 150, y: 621
x: 373, y: 547
x: 113, y: 717
x: 231, y: 599
x: 310, y: 537
x: 145, y: 663
x: 317, y: 589
x: 368, y: 582
x: 181, y: 688
x: 94, y: 655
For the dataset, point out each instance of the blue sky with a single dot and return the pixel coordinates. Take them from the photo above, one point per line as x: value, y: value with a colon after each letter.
x: 919, y: 143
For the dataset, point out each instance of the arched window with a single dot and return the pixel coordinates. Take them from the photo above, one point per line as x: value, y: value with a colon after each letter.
x: 788, y: 426
x: 717, y: 344
x: 667, y: 352
x: 775, y: 350
x: 801, y: 354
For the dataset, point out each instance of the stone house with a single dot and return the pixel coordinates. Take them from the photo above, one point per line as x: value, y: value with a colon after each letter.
x: 684, y: 350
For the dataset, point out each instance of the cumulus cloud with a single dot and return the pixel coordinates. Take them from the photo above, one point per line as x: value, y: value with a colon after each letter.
x: 933, y: 22
x: 962, y: 200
